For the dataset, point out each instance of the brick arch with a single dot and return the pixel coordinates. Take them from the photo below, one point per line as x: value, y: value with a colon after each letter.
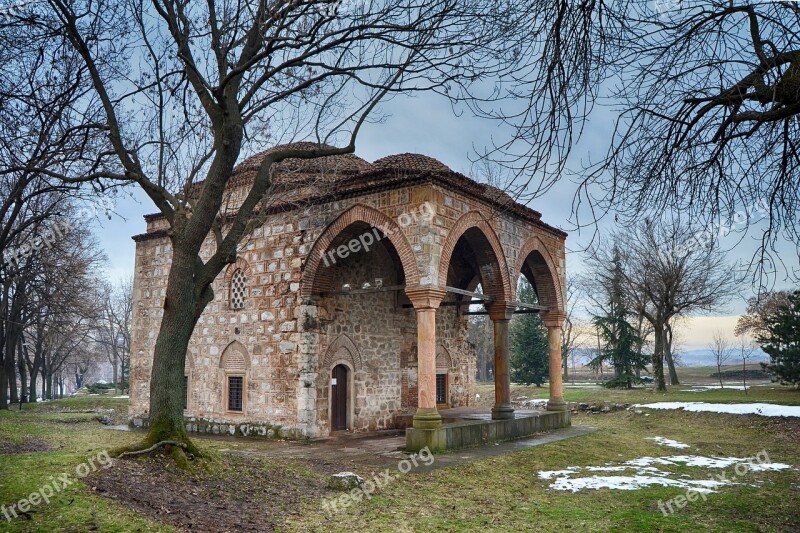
x: 358, y: 213
x: 535, y: 255
x: 241, y: 263
x: 235, y: 358
x: 496, y: 284
x: 342, y: 349
x: 443, y: 359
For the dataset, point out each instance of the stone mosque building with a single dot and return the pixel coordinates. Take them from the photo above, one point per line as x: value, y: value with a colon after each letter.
x: 345, y: 309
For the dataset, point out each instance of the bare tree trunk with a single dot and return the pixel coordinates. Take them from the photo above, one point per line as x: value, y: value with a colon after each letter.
x: 673, y: 375
x: 177, y: 325
x: 23, y: 374
x: 744, y: 374
x: 659, y: 383
x: 49, y: 383
x: 3, y: 381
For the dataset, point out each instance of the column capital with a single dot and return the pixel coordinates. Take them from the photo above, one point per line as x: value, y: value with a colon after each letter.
x: 500, y: 311
x: 553, y: 319
x: 425, y: 297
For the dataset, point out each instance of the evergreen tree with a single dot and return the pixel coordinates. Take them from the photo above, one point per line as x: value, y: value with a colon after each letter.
x: 781, y: 341
x: 529, y: 349
x: 622, y: 347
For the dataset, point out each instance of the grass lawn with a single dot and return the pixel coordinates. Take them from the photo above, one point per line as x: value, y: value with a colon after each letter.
x: 501, y: 493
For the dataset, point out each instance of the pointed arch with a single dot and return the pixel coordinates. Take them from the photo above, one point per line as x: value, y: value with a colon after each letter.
x: 342, y: 349
x: 443, y: 359
x: 234, y: 358
x: 534, y: 261
x: 474, y: 227
x: 316, y: 278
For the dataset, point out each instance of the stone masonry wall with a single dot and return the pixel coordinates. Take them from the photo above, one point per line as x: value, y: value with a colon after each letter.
x: 286, y: 337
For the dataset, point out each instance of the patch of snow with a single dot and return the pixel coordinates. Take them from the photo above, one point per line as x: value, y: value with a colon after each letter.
x: 663, y: 441
x: 763, y: 409
x: 121, y: 397
x: 550, y: 474
x: 632, y: 483
x: 645, y: 474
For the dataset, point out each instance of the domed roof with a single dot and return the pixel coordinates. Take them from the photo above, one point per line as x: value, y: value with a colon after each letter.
x: 329, y: 166
x: 412, y: 162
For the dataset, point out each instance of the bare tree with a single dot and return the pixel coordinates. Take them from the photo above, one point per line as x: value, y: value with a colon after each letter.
x: 707, y: 97
x: 211, y: 77
x: 722, y: 352
x: 664, y: 278
x: 572, y: 330
x: 113, y: 331
x: 747, y: 349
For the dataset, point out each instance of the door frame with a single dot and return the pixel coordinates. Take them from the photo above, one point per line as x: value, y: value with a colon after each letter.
x: 350, y: 394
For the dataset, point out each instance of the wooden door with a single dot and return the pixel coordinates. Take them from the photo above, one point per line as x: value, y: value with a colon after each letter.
x: 339, y: 396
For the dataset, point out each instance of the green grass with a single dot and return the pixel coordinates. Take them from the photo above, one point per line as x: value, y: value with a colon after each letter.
x: 771, y: 394
x: 504, y: 494
x: 499, y: 493
x: 72, y: 438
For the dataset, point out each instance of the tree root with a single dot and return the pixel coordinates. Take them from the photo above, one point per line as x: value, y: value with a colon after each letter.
x: 182, y: 445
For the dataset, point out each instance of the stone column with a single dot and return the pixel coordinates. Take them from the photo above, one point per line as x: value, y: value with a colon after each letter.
x: 553, y: 321
x: 501, y: 317
x: 426, y: 301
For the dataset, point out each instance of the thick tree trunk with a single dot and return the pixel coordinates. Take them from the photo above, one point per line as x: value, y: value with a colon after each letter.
x: 177, y: 325
x: 673, y: 374
x: 659, y: 384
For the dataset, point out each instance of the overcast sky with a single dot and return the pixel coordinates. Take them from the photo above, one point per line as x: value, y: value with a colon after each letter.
x: 427, y: 125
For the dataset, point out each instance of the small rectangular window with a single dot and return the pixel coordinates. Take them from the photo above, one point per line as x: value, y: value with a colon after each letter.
x: 235, y: 393
x: 441, y: 388
x: 185, y: 392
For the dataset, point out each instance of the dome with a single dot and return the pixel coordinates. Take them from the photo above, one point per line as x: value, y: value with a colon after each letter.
x: 411, y: 162
x: 330, y: 166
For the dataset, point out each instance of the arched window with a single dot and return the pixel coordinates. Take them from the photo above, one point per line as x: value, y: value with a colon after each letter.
x: 238, y: 289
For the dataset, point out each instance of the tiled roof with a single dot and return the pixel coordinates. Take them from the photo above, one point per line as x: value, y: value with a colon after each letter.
x: 327, y: 168
x: 411, y: 162
x: 307, y: 181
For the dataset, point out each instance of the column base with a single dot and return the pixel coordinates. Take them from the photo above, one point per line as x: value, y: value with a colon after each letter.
x: 556, y: 405
x: 427, y: 418
x: 503, y: 411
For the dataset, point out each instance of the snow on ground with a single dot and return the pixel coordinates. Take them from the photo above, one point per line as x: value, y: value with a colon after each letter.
x: 645, y: 473
x: 663, y: 441
x: 763, y: 409
x: 704, y: 388
x: 632, y: 483
x: 124, y: 396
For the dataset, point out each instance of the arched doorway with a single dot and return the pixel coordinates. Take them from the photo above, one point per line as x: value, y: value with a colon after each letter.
x: 340, y: 397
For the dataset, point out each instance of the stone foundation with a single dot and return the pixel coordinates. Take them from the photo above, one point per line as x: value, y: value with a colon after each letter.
x: 483, y: 432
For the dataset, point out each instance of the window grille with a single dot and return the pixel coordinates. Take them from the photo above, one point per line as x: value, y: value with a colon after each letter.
x: 238, y: 289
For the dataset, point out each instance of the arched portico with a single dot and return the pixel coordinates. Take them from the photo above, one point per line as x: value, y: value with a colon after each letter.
x: 536, y: 264
x: 360, y: 228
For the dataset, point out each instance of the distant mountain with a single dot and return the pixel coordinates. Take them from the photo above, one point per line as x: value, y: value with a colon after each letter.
x: 701, y: 357
x: 704, y: 357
